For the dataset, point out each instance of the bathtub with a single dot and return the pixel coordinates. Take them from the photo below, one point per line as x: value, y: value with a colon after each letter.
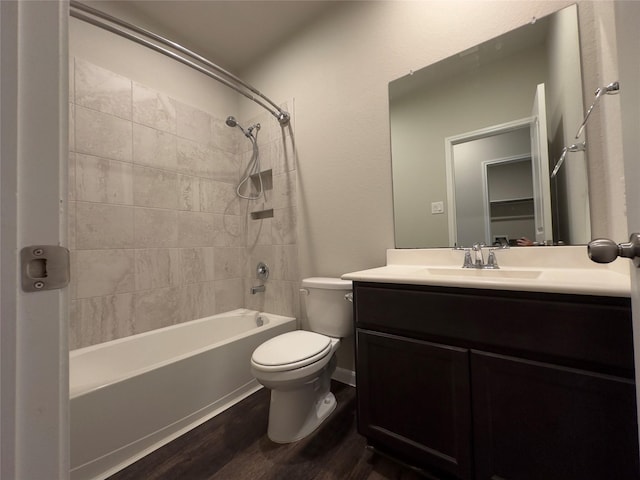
x: 132, y: 395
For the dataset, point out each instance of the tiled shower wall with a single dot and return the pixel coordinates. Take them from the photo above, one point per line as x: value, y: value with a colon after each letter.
x: 157, y: 233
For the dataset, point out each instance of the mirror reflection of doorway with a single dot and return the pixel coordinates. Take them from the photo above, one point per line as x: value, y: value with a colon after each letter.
x: 509, y: 211
x: 516, y: 146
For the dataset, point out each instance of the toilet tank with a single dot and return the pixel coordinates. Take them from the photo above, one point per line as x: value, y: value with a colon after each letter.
x: 328, y: 311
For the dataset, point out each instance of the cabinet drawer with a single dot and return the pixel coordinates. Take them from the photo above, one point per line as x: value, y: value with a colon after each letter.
x: 574, y: 330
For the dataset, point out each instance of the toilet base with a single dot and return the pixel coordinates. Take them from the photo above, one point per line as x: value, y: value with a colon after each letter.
x: 293, y: 415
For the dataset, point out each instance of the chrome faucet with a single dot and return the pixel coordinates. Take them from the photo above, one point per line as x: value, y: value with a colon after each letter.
x: 478, y: 259
x: 477, y: 251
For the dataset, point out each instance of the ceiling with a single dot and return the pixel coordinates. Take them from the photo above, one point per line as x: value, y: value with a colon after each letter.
x: 231, y: 33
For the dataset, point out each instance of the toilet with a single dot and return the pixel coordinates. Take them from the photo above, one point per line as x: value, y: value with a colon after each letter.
x: 297, y: 366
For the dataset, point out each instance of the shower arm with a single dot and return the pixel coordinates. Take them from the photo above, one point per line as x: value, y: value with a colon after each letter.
x: 231, y: 81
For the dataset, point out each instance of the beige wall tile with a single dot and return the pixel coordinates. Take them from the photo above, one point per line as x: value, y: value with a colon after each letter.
x: 188, y: 248
x: 155, y: 188
x: 195, y: 229
x: 156, y: 308
x: 72, y: 177
x: 189, y: 193
x: 197, y: 301
x: 229, y: 294
x: 284, y: 226
x: 255, y: 255
x: 280, y: 154
x: 155, y: 227
x: 285, y: 265
x: 284, y: 190
x: 71, y: 226
x: 73, y: 280
x: 282, y: 297
x: 229, y: 262
x: 218, y: 197
x: 104, y: 272
x: 102, y: 180
x: 100, y: 226
x: 100, y: 319
x: 103, y: 135
x: 193, y: 124
x: 197, y: 264
x: 228, y: 231
x: 153, y: 109
x: 225, y: 166
x: 157, y: 268
x: 102, y: 90
x: 223, y: 136
x: 154, y: 148
x: 259, y: 232
x: 194, y: 158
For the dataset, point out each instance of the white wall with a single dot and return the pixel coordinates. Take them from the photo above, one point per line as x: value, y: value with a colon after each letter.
x: 149, y: 68
x: 338, y: 71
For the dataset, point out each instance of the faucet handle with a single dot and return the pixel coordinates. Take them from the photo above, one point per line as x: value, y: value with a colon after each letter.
x: 468, y: 263
x: 492, y: 261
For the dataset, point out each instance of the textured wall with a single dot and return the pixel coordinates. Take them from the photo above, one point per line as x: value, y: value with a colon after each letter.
x: 158, y: 234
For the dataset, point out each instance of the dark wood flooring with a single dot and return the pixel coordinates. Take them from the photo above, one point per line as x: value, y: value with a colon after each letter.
x: 234, y: 446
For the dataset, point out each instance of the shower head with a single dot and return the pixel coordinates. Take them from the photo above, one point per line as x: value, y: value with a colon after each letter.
x: 232, y: 122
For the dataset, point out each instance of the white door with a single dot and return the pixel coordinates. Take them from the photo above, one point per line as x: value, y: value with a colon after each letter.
x: 34, y: 153
x: 540, y: 167
x: 628, y: 39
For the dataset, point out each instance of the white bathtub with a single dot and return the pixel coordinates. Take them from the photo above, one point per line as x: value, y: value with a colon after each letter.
x: 132, y: 395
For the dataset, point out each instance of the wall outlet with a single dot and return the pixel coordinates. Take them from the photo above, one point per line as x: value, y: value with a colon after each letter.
x: 437, y: 208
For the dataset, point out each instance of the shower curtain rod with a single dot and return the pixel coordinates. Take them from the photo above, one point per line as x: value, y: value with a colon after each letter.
x: 111, y: 24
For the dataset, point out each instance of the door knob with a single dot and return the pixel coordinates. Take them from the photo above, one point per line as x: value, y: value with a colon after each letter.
x: 603, y: 250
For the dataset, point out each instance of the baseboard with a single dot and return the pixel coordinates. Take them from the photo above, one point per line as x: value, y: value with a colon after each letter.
x: 343, y: 375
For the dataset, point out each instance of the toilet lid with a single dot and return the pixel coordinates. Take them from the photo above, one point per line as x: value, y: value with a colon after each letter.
x: 291, y: 350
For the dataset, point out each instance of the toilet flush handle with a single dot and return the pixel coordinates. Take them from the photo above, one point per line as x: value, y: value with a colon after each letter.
x: 349, y: 296
x: 304, y: 291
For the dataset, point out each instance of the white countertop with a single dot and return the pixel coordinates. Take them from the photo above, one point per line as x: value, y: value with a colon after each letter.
x: 565, y: 269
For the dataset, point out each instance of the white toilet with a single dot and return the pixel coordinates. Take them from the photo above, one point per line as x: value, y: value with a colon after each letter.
x: 297, y: 366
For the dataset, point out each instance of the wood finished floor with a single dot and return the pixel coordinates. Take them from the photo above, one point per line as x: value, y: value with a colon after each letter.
x: 234, y: 446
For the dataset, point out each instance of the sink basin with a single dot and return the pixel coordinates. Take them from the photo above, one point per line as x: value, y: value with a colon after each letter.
x: 484, y: 273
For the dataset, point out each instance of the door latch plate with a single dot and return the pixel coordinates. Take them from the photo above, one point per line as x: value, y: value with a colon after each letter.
x: 44, y: 267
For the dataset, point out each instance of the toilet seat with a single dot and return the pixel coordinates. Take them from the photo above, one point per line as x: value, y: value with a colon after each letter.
x: 290, y: 351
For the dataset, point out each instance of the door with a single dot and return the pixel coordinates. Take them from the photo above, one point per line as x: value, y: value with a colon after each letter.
x: 413, y: 400
x: 517, y: 402
x: 34, y: 152
x: 540, y: 168
x: 628, y: 39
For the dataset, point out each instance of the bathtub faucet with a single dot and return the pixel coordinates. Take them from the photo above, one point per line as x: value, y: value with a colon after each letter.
x: 258, y: 289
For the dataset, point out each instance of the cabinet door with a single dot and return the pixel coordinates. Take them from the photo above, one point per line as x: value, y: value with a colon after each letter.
x: 535, y: 421
x: 413, y: 401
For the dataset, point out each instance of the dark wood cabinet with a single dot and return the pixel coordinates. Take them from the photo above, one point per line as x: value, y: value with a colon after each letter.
x: 483, y: 384
x: 426, y: 412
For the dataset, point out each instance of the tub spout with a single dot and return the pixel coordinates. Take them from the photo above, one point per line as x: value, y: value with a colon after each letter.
x: 259, y: 288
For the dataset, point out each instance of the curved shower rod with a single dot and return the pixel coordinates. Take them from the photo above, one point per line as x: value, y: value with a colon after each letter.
x: 101, y: 19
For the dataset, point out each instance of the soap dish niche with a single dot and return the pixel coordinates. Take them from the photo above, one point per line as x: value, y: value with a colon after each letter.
x: 267, y: 180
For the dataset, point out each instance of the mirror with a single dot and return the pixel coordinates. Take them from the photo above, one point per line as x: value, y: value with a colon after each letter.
x: 474, y: 137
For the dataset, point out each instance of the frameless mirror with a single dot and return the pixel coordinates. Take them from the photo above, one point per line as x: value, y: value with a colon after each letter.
x: 474, y: 137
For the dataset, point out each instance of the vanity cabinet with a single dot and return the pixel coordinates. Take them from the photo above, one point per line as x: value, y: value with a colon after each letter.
x: 492, y: 384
